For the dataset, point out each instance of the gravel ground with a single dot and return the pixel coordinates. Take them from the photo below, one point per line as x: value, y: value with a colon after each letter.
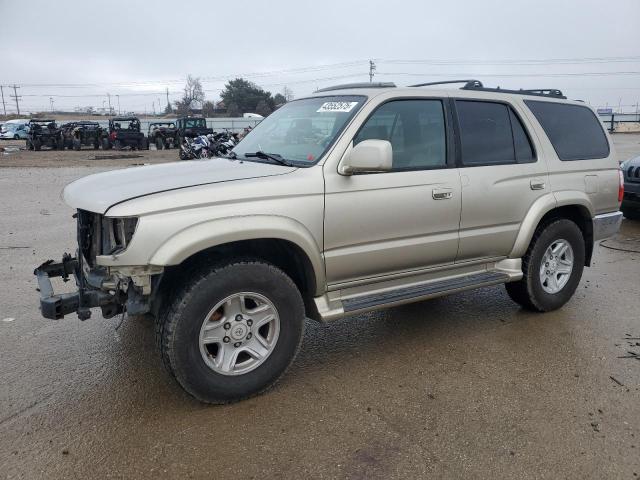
x: 467, y: 386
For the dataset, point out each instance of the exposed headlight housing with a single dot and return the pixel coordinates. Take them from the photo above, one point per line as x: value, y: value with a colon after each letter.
x: 117, y: 234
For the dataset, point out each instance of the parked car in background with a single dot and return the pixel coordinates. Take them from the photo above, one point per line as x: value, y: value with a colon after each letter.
x: 14, y: 129
x: 369, y: 196
x: 83, y: 133
x: 631, y: 201
x: 162, y: 135
x: 44, y: 133
x: 191, y: 127
x: 124, y: 132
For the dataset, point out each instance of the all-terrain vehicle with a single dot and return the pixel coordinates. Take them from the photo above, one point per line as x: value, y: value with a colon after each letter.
x: 191, y: 127
x: 78, y: 134
x: 162, y: 134
x: 43, y: 133
x: 124, y: 132
x: 374, y: 196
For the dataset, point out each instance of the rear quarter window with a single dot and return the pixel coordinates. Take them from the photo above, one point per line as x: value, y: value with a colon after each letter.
x: 573, y: 130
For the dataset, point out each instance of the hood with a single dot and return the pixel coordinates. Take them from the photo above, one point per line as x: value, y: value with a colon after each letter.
x: 97, y: 193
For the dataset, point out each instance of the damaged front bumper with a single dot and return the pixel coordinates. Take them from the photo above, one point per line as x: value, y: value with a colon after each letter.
x: 88, y: 295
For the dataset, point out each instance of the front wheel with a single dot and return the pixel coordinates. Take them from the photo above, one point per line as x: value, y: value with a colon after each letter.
x: 552, y: 267
x: 232, y: 332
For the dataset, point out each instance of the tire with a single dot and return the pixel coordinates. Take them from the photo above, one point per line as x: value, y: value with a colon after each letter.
x: 631, y: 214
x: 530, y: 292
x: 36, y: 145
x: 117, y: 145
x: 76, y: 144
x: 105, y: 144
x: 159, y: 143
x: 180, y: 327
x: 16, y: 137
x: 29, y: 145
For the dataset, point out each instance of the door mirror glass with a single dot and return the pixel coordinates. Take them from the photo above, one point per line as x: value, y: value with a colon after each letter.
x: 368, y: 156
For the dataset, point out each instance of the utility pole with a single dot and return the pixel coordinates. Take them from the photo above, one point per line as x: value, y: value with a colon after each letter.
x: 118, y: 97
x: 51, y: 102
x: 4, y: 107
x: 372, y: 69
x: 167, y: 90
x: 109, y: 97
x: 16, y: 97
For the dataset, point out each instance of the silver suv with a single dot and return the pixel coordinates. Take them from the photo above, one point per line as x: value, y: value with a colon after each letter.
x: 356, y: 198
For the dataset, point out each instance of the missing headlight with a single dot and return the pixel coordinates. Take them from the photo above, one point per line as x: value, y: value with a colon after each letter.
x: 117, y: 233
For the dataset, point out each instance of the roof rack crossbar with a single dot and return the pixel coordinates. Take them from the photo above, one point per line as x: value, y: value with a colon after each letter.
x: 358, y: 85
x: 470, y: 83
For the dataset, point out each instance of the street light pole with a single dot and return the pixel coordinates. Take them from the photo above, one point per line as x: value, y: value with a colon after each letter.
x: 118, y: 97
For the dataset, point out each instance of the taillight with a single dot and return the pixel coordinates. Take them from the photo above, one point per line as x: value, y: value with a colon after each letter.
x: 112, y: 136
x: 620, y: 186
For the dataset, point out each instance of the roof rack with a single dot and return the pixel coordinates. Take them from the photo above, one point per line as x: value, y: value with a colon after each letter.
x: 477, y: 85
x: 358, y: 85
x: 467, y: 83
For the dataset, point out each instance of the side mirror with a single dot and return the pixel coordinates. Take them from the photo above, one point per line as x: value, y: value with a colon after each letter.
x: 367, y: 156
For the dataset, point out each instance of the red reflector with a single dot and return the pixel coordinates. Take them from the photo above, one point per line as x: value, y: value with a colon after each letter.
x: 621, y: 186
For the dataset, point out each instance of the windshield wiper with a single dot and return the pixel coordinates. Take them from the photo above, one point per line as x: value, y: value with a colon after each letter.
x: 269, y: 156
x: 233, y: 155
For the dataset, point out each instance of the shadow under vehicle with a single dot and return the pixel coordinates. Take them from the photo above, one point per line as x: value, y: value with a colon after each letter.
x: 191, y: 127
x: 77, y: 134
x: 124, y: 132
x: 162, y: 134
x: 43, y: 133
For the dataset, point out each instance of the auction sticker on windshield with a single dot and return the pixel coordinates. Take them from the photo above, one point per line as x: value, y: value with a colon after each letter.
x: 337, y: 106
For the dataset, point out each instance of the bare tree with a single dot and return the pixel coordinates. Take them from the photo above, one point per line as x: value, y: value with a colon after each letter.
x: 287, y: 93
x: 192, y: 92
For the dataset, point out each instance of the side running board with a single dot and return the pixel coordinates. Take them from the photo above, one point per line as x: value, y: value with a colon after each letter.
x: 370, y: 302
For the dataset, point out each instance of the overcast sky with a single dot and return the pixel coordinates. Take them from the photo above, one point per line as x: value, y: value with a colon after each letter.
x: 77, y: 51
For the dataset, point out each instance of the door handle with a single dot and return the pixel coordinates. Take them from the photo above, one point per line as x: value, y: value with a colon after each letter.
x: 537, y: 184
x: 441, y: 194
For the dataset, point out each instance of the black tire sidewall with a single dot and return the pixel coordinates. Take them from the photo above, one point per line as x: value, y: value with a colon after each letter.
x: 560, y: 229
x: 186, y: 360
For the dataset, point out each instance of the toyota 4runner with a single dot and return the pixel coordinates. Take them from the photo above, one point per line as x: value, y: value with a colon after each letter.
x: 356, y: 198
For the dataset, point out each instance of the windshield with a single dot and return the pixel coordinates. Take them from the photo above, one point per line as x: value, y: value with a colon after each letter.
x: 195, y: 122
x: 302, y: 130
x: 9, y: 127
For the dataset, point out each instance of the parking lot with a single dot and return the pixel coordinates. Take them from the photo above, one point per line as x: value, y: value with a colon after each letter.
x: 467, y: 386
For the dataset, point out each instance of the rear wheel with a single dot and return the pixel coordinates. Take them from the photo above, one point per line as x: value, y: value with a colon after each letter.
x: 232, y: 331
x: 159, y: 143
x: 16, y: 137
x: 76, y: 144
x: 37, y: 144
x: 105, y: 144
x: 29, y: 145
x: 552, y: 267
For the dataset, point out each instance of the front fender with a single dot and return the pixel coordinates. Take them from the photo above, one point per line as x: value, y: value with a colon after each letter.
x: 216, y: 232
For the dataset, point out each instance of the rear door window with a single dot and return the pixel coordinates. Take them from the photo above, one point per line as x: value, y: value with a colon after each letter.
x: 573, y: 130
x: 491, y: 134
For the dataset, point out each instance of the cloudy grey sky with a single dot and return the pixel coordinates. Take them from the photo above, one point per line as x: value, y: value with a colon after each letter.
x: 78, y: 51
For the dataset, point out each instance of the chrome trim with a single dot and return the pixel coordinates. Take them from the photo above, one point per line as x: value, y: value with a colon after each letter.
x: 606, y: 225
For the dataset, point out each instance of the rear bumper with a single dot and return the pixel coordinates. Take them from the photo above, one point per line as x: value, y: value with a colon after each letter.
x: 81, y: 301
x: 606, y: 225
